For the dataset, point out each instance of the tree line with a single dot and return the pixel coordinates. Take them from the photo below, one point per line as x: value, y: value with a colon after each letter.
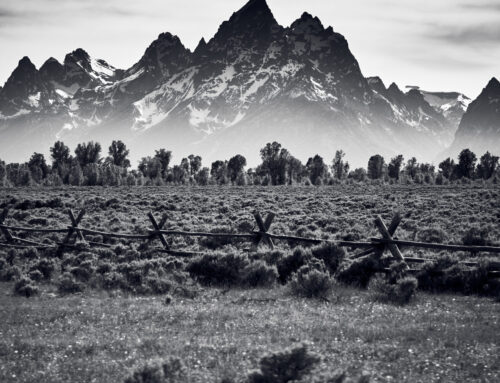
x: 87, y: 167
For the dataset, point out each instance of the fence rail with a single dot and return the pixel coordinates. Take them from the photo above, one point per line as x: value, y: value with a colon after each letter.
x: 262, y: 236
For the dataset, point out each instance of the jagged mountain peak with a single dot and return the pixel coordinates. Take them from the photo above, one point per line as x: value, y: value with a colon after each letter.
x: 494, y: 81
x: 493, y: 84
x: 200, y: 50
x: 255, y: 13
x: 255, y: 7
x: 394, y: 87
x: 22, y: 89
x: 163, y: 55
x: 52, y: 70
x: 253, y: 80
x: 50, y: 64
x: 201, y: 45
x: 25, y: 63
x: 415, y: 94
x: 252, y: 25
x: 167, y: 38
x: 480, y: 125
x: 308, y: 22
x: 50, y: 61
x: 78, y: 54
x: 25, y: 72
x: 394, y: 91
x: 166, y: 44
x: 78, y: 58
x: 377, y: 84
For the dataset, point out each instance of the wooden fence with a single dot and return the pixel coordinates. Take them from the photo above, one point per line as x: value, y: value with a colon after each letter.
x: 374, y: 247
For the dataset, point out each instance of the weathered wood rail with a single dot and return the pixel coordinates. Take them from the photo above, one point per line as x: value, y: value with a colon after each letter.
x: 262, y: 236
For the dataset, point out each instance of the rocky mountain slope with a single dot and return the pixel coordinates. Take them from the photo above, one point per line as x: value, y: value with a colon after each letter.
x: 479, y: 129
x: 255, y: 81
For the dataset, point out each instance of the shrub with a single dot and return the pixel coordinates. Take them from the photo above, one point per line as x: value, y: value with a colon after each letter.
x: 271, y: 257
x: 446, y: 274
x: 476, y: 236
x: 259, y: 274
x: 35, y: 275
x: 67, y: 284
x: 38, y: 221
x: 478, y: 281
x: 312, y: 282
x: 25, y: 287
x: 358, y: 272
x: 430, y: 276
x: 214, y: 243
x: 171, y: 371
x: 83, y: 271
x: 330, y: 254
x: 244, y: 226
x: 46, y: 267
x: 113, y: 280
x: 104, y: 267
x: 10, y: 273
x: 156, y: 285
x: 29, y: 253
x: 400, y: 292
x: 289, y: 264
x: 285, y: 366
x: 218, y: 269
x: 432, y: 235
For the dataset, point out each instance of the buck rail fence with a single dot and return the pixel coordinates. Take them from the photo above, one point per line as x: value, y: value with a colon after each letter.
x: 374, y: 247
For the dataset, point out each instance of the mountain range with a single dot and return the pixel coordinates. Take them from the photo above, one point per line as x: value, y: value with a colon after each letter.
x: 253, y: 82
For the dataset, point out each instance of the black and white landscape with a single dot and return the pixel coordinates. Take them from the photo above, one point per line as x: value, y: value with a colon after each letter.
x: 254, y: 82
x: 258, y: 207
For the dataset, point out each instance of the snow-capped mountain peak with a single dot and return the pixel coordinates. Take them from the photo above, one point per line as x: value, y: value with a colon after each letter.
x: 254, y: 81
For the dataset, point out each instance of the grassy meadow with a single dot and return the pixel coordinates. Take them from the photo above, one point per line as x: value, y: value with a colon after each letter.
x: 98, y: 315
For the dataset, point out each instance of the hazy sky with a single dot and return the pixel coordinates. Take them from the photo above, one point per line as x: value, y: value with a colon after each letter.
x: 436, y: 44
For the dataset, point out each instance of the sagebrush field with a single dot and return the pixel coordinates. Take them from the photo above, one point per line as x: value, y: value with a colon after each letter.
x: 99, y: 314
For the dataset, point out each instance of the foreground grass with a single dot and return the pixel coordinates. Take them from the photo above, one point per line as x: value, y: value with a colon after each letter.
x: 101, y: 338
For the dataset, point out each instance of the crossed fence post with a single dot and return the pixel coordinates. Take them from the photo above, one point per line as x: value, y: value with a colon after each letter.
x: 262, y: 235
x: 5, y: 231
x: 71, y: 230
x: 158, y: 226
x: 387, y: 235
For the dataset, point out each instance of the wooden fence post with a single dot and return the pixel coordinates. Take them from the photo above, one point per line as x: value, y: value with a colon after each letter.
x: 158, y: 226
x: 72, y: 229
x: 4, y: 230
x: 263, y: 229
x: 388, y: 233
x: 74, y: 223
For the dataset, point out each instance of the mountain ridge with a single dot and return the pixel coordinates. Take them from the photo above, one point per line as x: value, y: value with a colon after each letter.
x: 254, y: 78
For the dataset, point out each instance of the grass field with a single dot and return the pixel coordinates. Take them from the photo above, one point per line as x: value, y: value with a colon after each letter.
x: 102, y: 335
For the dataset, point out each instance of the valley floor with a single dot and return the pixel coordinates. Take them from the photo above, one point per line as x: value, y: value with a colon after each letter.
x: 103, y: 336
x: 219, y: 334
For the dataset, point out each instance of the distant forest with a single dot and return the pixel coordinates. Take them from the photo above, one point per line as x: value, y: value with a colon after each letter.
x: 87, y: 167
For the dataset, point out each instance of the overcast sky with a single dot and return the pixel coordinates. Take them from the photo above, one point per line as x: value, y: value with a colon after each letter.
x: 438, y: 45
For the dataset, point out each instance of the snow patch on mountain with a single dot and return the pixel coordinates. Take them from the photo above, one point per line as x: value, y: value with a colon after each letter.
x: 34, y: 100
